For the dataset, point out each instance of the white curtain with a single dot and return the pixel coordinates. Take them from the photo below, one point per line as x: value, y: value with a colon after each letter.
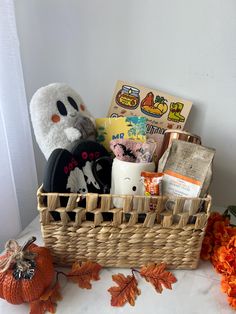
x: 18, y: 179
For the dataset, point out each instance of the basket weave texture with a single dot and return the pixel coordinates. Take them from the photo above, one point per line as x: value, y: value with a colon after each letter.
x: 145, y: 230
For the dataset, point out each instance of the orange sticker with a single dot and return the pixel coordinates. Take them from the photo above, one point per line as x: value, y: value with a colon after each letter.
x: 55, y: 118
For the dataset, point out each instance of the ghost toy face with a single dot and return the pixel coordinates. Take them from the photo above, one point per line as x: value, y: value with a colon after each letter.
x: 65, y: 114
x: 54, y: 110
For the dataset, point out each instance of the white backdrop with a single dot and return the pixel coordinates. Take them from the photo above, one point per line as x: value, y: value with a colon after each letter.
x: 184, y: 47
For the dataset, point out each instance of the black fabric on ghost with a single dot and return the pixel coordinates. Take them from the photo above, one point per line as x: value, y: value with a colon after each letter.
x: 96, y: 165
x: 86, y: 168
x: 57, y: 171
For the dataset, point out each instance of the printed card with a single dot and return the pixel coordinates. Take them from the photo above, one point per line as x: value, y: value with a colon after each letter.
x: 162, y: 111
x: 109, y: 129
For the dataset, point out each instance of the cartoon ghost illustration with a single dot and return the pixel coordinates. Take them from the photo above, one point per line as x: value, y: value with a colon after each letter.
x: 76, y: 182
x: 59, y: 117
x: 87, y: 170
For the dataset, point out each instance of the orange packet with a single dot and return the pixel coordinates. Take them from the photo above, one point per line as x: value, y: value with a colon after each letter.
x: 152, y: 182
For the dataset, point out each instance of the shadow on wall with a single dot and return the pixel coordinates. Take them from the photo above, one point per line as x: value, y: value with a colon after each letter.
x: 221, y: 176
x: 195, y: 121
x: 40, y: 162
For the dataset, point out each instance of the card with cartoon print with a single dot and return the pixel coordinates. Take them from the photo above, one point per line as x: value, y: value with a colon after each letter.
x: 163, y: 111
x: 109, y: 129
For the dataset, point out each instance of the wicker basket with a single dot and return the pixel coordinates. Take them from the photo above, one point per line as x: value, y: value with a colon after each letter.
x: 146, y: 229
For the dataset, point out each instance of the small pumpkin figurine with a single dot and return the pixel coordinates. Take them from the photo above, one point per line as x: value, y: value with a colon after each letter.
x: 25, y: 272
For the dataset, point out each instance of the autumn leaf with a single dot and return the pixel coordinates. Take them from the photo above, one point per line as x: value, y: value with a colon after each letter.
x: 127, y: 290
x: 53, y: 294
x: 158, y: 276
x: 47, y: 302
x: 42, y: 307
x: 83, y: 273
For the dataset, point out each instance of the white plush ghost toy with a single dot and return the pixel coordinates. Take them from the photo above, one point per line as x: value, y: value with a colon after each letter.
x: 59, y: 118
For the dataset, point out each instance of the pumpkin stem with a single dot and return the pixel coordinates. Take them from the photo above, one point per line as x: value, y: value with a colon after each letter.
x: 28, y: 243
x: 17, y: 255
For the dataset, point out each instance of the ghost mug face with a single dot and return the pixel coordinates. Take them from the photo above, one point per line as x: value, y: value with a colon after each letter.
x: 126, y: 178
x: 101, y: 169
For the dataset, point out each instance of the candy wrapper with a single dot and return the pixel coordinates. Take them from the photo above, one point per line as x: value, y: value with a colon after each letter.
x: 146, y: 151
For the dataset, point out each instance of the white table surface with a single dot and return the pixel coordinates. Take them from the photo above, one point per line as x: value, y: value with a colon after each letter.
x: 196, y: 291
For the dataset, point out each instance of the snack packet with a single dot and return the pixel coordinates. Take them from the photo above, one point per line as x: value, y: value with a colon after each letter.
x: 152, y: 183
x: 187, y: 169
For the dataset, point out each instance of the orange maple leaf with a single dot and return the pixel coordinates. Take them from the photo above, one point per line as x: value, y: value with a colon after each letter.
x: 42, y: 307
x: 126, y: 291
x: 47, y: 302
x: 52, y: 293
x: 158, y: 276
x: 83, y: 273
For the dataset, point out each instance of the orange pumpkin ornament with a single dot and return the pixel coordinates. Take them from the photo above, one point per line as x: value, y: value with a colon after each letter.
x: 25, y: 272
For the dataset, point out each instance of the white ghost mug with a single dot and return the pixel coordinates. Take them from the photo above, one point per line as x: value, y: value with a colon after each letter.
x: 126, y: 178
